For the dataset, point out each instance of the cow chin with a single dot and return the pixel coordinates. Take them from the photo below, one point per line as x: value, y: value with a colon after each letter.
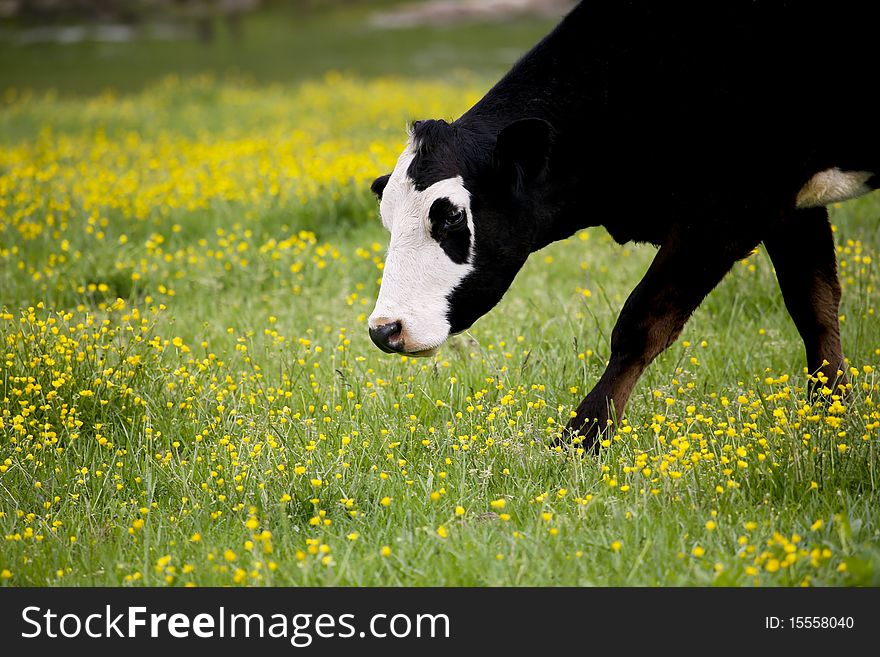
x: 422, y: 353
x: 423, y: 340
x: 424, y: 348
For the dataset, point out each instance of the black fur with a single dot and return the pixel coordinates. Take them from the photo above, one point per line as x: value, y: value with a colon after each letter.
x: 379, y: 185
x: 449, y: 228
x: 522, y: 149
x: 444, y: 150
x: 663, y: 115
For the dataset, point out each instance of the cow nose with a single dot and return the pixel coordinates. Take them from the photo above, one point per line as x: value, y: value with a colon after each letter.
x: 387, y: 337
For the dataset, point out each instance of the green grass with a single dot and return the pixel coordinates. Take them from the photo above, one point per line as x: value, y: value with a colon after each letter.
x: 161, y: 465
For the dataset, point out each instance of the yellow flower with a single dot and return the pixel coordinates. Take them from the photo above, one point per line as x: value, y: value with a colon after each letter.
x: 616, y: 546
x: 441, y: 532
x: 385, y: 551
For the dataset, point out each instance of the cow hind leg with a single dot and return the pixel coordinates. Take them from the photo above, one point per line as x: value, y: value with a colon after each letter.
x: 801, y: 248
x: 687, y: 267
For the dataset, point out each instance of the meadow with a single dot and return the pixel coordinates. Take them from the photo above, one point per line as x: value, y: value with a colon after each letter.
x: 188, y: 394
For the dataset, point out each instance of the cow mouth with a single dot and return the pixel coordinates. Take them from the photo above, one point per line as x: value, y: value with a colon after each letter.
x: 421, y: 353
x: 392, y: 337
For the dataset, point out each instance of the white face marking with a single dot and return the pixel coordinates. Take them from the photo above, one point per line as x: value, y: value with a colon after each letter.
x: 833, y: 186
x: 418, y: 275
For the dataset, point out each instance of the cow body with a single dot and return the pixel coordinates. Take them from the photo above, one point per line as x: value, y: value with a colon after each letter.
x: 702, y: 130
x: 665, y: 116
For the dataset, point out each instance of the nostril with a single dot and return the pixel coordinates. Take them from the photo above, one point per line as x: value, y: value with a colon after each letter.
x: 387, y: 337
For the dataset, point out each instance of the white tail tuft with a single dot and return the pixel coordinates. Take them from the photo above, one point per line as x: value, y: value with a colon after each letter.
x: 833, y: 186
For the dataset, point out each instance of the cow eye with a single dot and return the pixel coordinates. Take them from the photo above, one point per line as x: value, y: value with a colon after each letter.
x: 445, y: 215
x: 456, y: 219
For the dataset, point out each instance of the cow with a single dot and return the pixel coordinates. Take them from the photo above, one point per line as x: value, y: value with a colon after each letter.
x: 705, y: 130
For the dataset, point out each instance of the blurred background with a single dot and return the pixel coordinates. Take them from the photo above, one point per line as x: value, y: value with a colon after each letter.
x: 90, y: 45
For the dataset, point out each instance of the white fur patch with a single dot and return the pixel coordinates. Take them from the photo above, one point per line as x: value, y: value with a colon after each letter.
x: 418, y: 275
x: 833, y: 186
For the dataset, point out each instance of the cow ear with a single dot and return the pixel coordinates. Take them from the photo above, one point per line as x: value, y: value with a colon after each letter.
x: 379, y: 184
x: 522, y: 149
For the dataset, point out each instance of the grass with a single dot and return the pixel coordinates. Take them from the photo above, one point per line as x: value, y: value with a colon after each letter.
x: 189, y: 394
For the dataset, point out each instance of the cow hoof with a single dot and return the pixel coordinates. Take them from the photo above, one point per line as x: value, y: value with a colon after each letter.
x: 826, y: 388
x: 583, y: 436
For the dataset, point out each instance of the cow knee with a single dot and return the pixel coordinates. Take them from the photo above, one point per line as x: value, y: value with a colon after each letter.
x: 644, y: 340
x: 825, y: 300
x: 836, y: 291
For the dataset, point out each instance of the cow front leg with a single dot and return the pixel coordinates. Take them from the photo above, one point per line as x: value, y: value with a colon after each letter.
x: 686, y: 268
x: 802, y: 252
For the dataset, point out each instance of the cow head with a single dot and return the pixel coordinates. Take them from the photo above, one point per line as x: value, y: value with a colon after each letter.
x: 460, y: 206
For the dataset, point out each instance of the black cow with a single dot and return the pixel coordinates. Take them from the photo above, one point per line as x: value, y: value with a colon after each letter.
x: 704, y: 130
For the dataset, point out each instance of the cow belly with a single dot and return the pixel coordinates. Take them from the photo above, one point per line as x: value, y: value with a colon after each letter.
x: 833, y: 186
